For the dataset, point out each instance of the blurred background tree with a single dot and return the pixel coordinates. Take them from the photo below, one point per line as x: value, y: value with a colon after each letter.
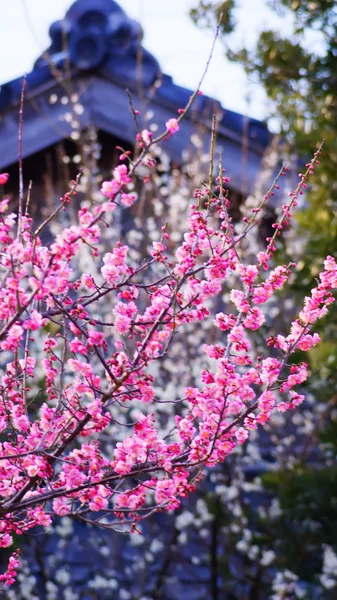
x: 297, y: 67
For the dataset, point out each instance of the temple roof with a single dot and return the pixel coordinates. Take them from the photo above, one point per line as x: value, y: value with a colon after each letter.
x: 95, y: 53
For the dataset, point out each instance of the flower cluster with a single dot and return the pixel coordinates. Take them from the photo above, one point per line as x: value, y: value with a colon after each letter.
x: 97, y: 374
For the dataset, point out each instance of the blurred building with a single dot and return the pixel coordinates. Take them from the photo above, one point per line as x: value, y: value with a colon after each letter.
x: 76, y: 109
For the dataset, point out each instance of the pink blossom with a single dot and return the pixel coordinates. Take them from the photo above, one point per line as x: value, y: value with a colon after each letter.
x: 114, y: 268
x: 77, y: 346
x: 238, y: 339
x: 296, y: 399
x: 3, y: 178
x: 124, y: 313
x: 266, y: 401
x: 224, y: 322
x: 283, y: 406
x: 213, y: 351
x: 255, y: 319
x: 88, y: 281
x: 61, y: 506
x: 6, y: 540
x: 172, y: 126
x: 35, y: 465
x: 263, y: 259
x: 13, y: 338
x: 95, y: 338
x: 158, y: 248
x: 9, y: 576
x: 238, y: 298
x: 166, y: 493
x: 39, y: 516
x: 248, y: 274
x: 241, y: 435
x: 128, y: 199
x: 145, y: 137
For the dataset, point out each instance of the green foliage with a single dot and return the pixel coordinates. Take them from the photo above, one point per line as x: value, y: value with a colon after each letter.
x: 308, y: 499
x: 298, y: 72
x: 313, y: 14
x: 210, y: 14
x: 305, y: 494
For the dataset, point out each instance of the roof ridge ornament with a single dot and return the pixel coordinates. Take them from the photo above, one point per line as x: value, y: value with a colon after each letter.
x: 90, y: 32
x: 94, y: 35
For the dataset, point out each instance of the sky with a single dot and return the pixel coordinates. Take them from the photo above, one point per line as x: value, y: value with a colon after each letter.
x: 180, y: 47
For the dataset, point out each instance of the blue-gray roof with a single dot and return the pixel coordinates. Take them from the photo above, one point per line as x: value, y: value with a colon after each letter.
x: 97, y: 50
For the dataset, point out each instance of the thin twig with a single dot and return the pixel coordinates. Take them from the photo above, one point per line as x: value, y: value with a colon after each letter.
x: 21, y: 190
